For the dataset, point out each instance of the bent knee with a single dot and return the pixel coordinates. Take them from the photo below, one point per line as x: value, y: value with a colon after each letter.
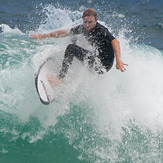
x: 71, y: 46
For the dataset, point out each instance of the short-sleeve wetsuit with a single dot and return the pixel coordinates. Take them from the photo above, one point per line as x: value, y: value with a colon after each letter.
x: 99, y: 37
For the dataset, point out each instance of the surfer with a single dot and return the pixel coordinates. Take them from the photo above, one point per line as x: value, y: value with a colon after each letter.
x: 106, y: 46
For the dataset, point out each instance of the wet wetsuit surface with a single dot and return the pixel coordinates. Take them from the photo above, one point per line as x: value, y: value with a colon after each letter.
x: 98, y: 37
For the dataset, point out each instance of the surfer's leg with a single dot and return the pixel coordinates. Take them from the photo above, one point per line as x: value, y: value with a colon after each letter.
x: 103, y: 67
x: 72, y: 51
x: 107, y: 64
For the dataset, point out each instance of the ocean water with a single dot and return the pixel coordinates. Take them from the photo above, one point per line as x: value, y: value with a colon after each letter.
x: 111, y: 118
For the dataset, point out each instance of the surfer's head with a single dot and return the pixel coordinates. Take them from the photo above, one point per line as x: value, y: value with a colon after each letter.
x: 89, y: 19
x: 90, y: 12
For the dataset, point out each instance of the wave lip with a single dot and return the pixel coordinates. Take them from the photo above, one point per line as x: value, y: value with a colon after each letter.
x: 7, y: 29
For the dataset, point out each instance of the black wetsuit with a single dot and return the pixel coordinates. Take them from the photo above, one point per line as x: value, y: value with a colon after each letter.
x: 99, y: 37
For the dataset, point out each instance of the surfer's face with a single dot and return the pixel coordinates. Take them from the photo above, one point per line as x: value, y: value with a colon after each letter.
x: 89, y: 22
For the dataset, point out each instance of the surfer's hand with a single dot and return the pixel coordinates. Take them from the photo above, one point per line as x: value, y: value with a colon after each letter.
x: 120, y: 65
x: 36, y: 36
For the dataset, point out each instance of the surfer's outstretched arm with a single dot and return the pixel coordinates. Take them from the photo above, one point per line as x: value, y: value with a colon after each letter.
x: 119, y: 63
x: 58, y: 33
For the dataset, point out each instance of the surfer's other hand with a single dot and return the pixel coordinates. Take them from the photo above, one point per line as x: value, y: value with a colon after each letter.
x: 120, y: 65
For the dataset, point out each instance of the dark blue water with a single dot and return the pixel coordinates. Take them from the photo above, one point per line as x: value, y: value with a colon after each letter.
x: 143, y: 17
x: 117, y: 117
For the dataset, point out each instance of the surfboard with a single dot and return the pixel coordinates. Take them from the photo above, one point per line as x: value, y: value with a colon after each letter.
x: 46, y: 91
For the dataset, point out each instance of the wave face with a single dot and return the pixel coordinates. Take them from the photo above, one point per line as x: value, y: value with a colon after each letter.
x: 116, y: 117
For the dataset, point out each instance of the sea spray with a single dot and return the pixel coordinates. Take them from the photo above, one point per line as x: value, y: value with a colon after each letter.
x: 115, y: 117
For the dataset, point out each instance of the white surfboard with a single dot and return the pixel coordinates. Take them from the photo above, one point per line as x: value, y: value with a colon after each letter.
x: 46, y: 91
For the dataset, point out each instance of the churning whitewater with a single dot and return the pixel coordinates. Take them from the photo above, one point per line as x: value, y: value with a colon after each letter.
x: 116, y: 117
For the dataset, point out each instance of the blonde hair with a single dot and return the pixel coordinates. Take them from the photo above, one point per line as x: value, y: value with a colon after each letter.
x: 89, y: 12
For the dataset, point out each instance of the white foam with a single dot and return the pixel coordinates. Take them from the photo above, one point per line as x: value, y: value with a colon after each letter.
x: 6, y: 29
x: 114, y: 98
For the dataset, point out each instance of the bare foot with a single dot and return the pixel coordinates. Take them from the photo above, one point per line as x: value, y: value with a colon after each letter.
x: 54, y: 81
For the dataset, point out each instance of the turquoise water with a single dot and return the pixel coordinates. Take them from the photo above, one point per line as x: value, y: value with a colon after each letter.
x: 117, y: 117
